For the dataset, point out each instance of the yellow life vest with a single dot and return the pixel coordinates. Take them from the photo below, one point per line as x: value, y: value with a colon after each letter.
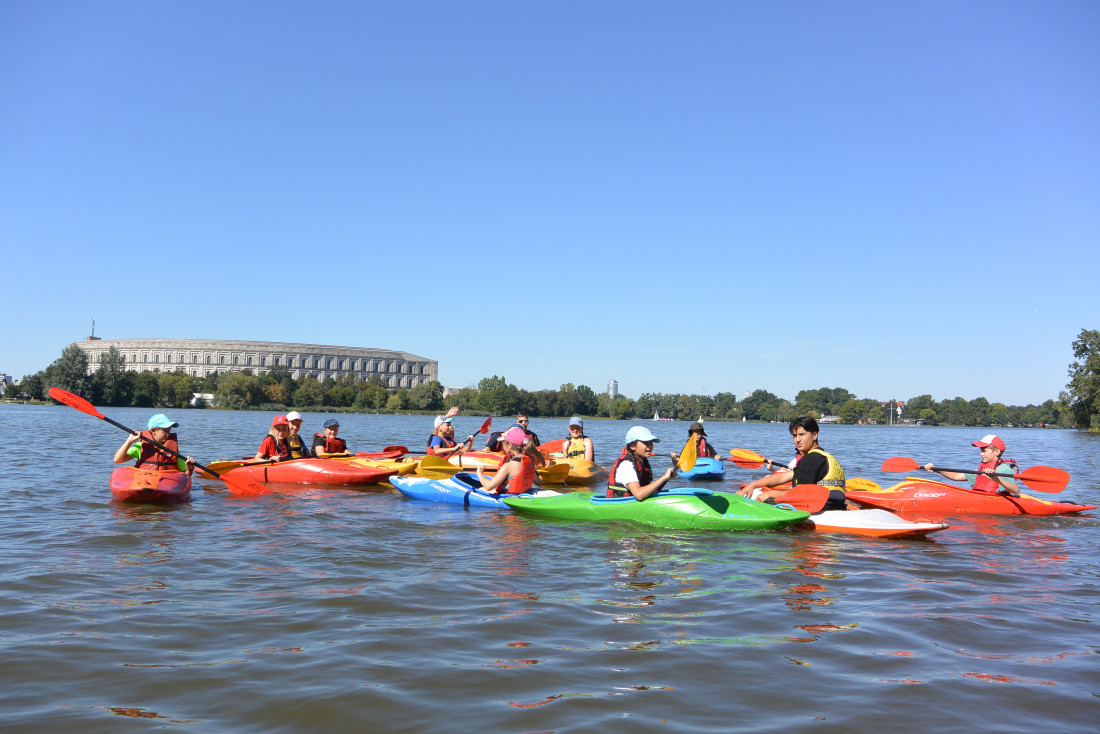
x: 574, y: 447
x: 835, y: 476
x: 296, y: 452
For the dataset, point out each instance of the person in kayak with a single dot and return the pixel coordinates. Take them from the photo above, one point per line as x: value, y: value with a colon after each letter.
x: 631, y: 474
x: 702, y: 449
x: 442, y: 440
x: 523, y: 421
x: 994, y: 473
x: 812, y: 465
x: 298, y: 448
x: 516, y: 472
x: 328, y: 445
x: 149, y: 457
x: 578, y: 445
x: 275, y: 446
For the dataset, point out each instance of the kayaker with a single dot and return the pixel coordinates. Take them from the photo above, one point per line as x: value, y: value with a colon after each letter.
x: 275, y: 445
x: 991, y: 448
x: 702, y: 449
x: 298, y: 448
x: 578, y: 445
x: 631, y: 474
x: 813, y: 465
x: 442, y: 440
x: 159, y: 430
x: 328, y: 445
x: 523, y: 421
x: 516, y: 472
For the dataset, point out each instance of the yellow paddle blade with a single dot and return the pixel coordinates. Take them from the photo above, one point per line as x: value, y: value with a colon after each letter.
x: 553, y: 474
x: 688, y: 455
x: 863, y: 485
x: 436, y: 467
x: 747, y: 459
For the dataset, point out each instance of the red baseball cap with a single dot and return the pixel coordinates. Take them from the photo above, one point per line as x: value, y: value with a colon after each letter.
x: 990, y: 440
x: 279, y: 420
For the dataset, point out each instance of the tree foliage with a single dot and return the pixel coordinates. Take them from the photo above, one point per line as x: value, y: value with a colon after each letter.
x: 1084, y: 379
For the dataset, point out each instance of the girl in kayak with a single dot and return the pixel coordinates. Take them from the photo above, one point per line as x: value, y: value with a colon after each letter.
x: 631, y: 474
x: 578, y: 445
x: 812, y: 465
x: 149, y: 457
x: 327, y: 445
x: 516, y: 472
x: 275, y: 445
x: 442, y: 440
x: 298, y: 448
x: 993, y: 473
x: 702, y: 449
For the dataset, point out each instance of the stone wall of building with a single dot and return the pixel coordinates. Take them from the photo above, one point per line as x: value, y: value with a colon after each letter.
x: 204, y: 357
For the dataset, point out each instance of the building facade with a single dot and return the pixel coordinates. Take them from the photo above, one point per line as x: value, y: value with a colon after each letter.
x: 204, y: 357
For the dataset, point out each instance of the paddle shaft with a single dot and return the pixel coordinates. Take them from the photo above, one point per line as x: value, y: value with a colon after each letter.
x: 161, y: 446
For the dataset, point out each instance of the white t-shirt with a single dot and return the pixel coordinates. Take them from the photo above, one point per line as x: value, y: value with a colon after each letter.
x: 625, y: 474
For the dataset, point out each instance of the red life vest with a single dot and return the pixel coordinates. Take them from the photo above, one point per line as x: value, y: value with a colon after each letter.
x: 704, y: 450
x: 153, y: 458
x: 641, y: 466
x: 447, y: 443
x: 333, y: 445
x: 986, y: 483
x: 275, y: 448
x: 521, y: 482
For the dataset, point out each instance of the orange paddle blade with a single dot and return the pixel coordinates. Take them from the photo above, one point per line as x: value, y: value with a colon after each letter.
x: 485, y: 426
x: 805, y: 497
x: 1044, y: 478
x: 899, y: 464
x: 747, y: 459
x: 74, y: 401
x: 689, y: 455
x: 239, y: 486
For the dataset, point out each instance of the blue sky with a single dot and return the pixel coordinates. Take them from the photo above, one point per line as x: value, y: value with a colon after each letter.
x: 686, y: 197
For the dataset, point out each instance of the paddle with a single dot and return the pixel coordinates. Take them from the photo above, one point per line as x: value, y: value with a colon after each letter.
x: 689, y: 455
x: 806, y: 497
x: 751, y: 460
x: 483, y: 430
x: 860, y: 484
x: 1039, y: 478
x: 236, y: 486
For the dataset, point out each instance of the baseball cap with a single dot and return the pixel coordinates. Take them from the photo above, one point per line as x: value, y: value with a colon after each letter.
x: 514, y: 435
x: 640, y: 433
x: 294, y: 416
x: 160, y: 420
x: 279, y: 420
x: 440, y: 420
x: 990, y: 440
x: 575, y: 421
x: 331, y: 422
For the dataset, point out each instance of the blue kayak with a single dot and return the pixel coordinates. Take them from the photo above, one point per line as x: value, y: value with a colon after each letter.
x: 705, y: 469
x: 461, y: 489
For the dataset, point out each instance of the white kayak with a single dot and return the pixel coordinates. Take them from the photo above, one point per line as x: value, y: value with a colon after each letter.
x: 872, y: 523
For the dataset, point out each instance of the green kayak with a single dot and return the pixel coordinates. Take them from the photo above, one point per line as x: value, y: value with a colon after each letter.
x: 683, y: 509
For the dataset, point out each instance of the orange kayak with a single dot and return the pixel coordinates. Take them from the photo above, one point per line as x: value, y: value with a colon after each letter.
x: 311, y: 471
x: 150, y: 487
x: 937, y: 498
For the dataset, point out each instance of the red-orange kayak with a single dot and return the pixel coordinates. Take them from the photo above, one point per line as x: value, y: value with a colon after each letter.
x: 150, y: 487
x: 937, y: 498
x: 312, y: 471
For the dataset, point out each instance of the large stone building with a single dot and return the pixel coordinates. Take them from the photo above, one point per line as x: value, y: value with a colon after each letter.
x: 204, y: 357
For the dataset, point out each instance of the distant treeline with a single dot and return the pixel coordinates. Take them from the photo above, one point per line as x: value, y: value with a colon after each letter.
x: 112, y: 385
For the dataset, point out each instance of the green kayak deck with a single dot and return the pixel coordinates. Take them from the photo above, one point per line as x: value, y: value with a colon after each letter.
x: 681, y: 509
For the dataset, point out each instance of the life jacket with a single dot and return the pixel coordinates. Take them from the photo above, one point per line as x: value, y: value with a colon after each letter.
x: 300, y: 450
x: 520, y: 483
x: 704, y: 450
x: 447, y: 443
x: 641, y: 466
x: 493, y: 444
x: 332, y: 445
x: 152, y: 458
x: 834, y: 477
x: 282, y: 447
x: 574, y: 447
x: 986, y: 483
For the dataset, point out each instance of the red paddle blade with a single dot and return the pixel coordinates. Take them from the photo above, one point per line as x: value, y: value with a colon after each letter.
x: 805, y: 497
x: 74, y: 401
x: 485, y: 426
x: 899, y: 464
x: 747, y: 459
x: 1044, y: 478
x: 247, y: 488
x: 403, y: 449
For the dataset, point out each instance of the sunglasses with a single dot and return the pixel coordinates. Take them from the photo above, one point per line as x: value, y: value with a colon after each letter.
x: 523, y: 423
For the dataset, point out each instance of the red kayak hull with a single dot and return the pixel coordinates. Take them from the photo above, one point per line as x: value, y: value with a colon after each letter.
x: 149, y: 487
x: 314, y: 471
x: 931, y: 497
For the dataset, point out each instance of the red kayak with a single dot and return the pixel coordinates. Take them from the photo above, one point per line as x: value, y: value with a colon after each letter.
x: 927, y: 496
x: 312, y: 471
x: 150, y: 487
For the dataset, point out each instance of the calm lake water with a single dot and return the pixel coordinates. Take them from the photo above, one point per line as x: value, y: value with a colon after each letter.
x: 320, y: 610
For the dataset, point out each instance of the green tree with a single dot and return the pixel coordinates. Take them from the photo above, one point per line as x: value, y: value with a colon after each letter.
x: 427, y: 396
x: 850, y: 412
x: 33, y: 387
x: 497, y: 396
x: 1084, y: 382
x: 309, y: 393
x: 70, y: 371
x: 112, y: 384
x: 398, y: 400
x: 928, y: 416
x: 146, y: 390
x: 238, y: 390
x: 587, y: 402
x: 998, y: 414
x: 175, y: 389
x: 875, y: 413
x: 371, y: 394
x: 622, y: 408
x: 760, y: 406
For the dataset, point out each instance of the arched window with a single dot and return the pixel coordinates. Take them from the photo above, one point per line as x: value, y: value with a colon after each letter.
x: 208, y: 362
x: 144, y: 358
x: 221, y: 360
x: 247, y: 361
x: 236, y: 359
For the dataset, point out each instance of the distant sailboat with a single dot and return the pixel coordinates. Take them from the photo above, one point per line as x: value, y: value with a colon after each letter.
x: 657, y: 417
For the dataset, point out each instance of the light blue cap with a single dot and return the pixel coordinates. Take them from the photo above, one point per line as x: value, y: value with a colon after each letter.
x: 640, y: 433
x: 575, y: 421
x: 160, y: 420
